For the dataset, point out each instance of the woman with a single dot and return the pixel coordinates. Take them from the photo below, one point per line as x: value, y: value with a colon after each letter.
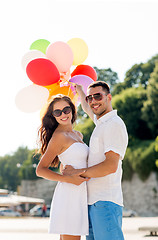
x: 59, y: 142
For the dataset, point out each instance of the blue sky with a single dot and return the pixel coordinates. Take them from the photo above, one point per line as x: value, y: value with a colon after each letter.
x: 118, y: 34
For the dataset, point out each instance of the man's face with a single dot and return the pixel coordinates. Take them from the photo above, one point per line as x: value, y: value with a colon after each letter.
x: 101, y: 107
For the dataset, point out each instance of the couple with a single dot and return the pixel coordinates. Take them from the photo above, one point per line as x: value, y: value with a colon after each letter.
x: 71, y: 216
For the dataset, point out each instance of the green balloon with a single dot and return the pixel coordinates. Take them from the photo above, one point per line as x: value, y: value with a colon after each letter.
x: 40, y: 44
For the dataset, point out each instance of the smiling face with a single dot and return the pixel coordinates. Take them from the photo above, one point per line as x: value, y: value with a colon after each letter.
x: 63, y: 119
x: 103, y: 106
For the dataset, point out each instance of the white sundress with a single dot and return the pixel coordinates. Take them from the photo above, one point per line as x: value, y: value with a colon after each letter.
x: 69, y: 209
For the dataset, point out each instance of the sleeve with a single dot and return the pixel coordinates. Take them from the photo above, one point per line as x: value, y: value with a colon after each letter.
x: 115, y: 138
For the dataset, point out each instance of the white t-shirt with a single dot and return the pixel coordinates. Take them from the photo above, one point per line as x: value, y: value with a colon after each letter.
x: 110, y: 134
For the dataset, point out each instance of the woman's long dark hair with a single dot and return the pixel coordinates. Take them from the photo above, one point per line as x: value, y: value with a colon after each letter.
x: 49, y: 124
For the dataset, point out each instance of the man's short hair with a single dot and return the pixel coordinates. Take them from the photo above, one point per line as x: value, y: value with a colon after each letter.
x: 102, y: 84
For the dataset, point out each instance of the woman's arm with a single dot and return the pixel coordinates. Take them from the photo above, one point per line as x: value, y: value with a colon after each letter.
x: 53, y: 149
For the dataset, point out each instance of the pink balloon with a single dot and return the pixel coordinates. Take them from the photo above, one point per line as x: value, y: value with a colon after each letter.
x: 83, y: 80
x: 61, y: 55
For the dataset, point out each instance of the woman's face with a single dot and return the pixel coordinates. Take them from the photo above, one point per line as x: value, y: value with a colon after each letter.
x: 62, y: 112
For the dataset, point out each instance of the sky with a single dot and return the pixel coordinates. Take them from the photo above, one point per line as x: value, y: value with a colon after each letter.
x: 118, y: 33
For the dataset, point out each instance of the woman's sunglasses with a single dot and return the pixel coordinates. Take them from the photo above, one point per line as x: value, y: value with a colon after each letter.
x: 58, y: 112
x: 96, y: 96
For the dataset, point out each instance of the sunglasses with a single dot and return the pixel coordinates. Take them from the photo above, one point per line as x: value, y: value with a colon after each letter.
x: 96, y: 96
x: 58, y: 112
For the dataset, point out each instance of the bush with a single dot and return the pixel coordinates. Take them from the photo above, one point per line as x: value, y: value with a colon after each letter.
x: 140, y: 158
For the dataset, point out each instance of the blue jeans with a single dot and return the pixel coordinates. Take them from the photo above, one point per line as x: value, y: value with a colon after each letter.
x: 105, y: 221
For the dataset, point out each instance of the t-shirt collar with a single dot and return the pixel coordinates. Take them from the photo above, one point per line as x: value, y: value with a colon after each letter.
x: 107, y: 116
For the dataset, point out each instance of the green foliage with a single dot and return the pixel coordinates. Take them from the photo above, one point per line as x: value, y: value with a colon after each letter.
x: 129, y: 104
x: 127, y: 168
x: 27, y: 169
x: 156, y: 149
x: 18, y: 166
x: 86, y: 127
x: 150, y: 109
x: 108, y: 76
x: 9, y: 173
x: 138, y: 75
x: 140, y: 158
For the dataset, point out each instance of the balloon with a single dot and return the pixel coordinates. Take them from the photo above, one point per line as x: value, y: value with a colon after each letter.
x: 31, y: 55
x: 66, y: 90
x: 83, y: 80
x: 76, y: 100
x: 65, y: 76
x: 42, y: 72
x: 40, y: 44
x: 55, y: 89
x: 85, y: 70
x: 61, y: 55
x: 43, y: 110
x: 52, y: 87
x: 79, y: 49
x: 31, y: 98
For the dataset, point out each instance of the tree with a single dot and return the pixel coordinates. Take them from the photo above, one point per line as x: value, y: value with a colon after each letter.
x: 150, y: 109
x: 156, y: 150
x: 27, y: 169
x: 108, y: 76
x: 129, y: 104
x: 138, y: 75
x: 9, y: 172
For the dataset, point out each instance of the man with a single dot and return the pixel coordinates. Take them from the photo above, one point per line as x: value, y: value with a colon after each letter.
x: 107, y: 148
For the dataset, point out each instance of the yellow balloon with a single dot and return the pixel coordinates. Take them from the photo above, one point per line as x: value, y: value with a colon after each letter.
x: 75, y: 100
x: 79, y: 49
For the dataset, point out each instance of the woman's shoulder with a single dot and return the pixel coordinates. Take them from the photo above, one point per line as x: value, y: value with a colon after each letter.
x: 79, y: 134
x: 58, y: 136
x: 59, y: 133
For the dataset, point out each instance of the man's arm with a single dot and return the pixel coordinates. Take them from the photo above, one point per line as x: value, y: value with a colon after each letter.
x: 108, y: 166
x: 84, y: 104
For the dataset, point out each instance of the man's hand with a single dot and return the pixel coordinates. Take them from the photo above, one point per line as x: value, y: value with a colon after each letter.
x: 73, y: 175
x: 79, y: 89
x: 75, y: 179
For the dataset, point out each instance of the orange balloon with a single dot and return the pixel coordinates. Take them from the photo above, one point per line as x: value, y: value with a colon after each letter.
x: 66, y: 90
x: 55, y: 89
x: 52, y: 88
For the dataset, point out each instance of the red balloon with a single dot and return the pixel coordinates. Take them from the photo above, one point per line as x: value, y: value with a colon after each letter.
x: 42, y: 72
x: 85, y: 70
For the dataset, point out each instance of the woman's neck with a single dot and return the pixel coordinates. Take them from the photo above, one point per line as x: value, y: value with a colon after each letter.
x: 66, y: 128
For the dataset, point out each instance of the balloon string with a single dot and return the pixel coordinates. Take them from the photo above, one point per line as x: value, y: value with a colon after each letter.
x: 69, y: 91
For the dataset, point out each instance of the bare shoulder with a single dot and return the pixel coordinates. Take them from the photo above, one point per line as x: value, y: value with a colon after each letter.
x: 58, y: 138
x: 79, y: 134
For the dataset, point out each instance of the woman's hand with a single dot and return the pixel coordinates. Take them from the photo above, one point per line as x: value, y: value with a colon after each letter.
x: 74, y: 174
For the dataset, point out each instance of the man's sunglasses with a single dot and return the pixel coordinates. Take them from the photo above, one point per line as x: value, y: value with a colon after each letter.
x: 58, y: 112
x: 96, y: 96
